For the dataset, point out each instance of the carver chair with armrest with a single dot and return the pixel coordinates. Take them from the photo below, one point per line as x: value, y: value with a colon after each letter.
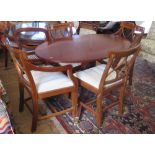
x: 107, y: 81
x: 29, y: 38
x: 42, y: 82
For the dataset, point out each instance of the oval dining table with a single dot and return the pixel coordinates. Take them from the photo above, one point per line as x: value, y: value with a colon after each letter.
x: 81, y: 49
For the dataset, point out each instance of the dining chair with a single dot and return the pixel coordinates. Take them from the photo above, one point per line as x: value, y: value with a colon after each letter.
x: 137, y: 37
x: 63, y: 32
x: 134, y: 34
x: 107, y: 81
x: 29, y: 38
x: 42, y: 82
x: 85, y: 28
x: 131, y: 31
x: 123, y: 29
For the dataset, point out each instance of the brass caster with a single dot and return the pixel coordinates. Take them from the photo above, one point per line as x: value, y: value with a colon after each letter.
x: 76, y: 120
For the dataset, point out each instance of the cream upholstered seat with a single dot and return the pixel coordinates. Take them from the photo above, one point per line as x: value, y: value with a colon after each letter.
x: 85, y: 28
x: 32, y: 56
x: 73, y: 64
x: 93, y: 75
x: 86, y: 31
x: 48, y: 81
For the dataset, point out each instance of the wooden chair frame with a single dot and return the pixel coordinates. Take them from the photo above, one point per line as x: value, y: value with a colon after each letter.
x: 87, y: 25
x: 133, y: 37
x: 24, y: 66
x: 29, y: 45
x: 61, y: 27
x: 121, y: 63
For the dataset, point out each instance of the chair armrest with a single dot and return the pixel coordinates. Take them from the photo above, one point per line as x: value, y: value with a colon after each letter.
x: 48, y: 68
x: 67, y: 69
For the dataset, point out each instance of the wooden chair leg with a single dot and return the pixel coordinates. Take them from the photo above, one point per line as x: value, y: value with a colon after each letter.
x: 80, y: 111
x: 131, y: 75
x: 74, y: 97
x: 121, y: 99
x: 99, y: 112
x: 21, y: 94
x: 35, y: 116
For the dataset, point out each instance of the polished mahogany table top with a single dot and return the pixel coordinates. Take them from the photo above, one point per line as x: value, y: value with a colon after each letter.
x: 81, y: 49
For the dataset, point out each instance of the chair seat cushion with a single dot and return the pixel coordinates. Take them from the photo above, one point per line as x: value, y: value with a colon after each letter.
x: 33, y: 57
x: 86, y: 31
x: 50, y: 81
x: 93, y: 75
x: 73, y: 64
x: 13, y: 44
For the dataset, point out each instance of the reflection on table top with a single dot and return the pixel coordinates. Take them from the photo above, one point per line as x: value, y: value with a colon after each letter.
x: 85, y: 48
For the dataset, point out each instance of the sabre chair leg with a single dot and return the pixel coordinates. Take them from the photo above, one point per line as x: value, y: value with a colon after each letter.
x: 74, y: 103
x: 21, y: 94
x: 99, y: 112
x: 35, y: 116
x: 80, y: 111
